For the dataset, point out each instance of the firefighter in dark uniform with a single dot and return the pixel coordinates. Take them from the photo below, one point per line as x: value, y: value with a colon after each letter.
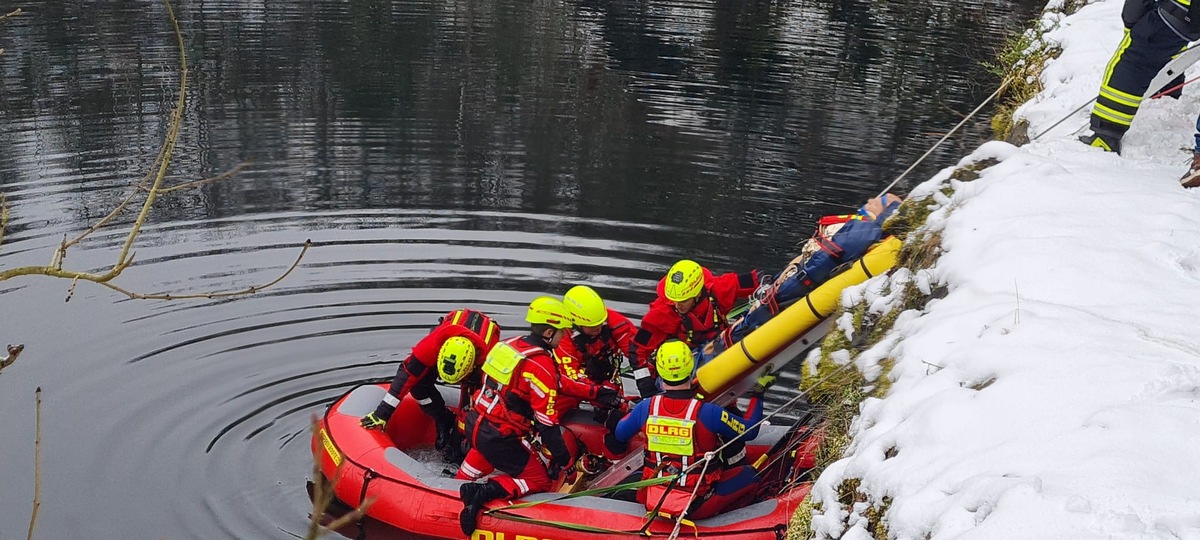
x: 453, y: 347
x: 691, y: 306
x: 517, y: 408
x: 1155, y: 30
x: 680, y: 430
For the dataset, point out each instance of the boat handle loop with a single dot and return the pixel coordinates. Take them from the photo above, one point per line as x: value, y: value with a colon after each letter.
x: 368, y: 475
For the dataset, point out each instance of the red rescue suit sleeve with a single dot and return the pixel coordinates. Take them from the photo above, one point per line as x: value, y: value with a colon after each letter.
x: 569, y: 356
x: 538, y: 380
x: 623, y: 330
x: 660, y: 323
x: 727, y: 289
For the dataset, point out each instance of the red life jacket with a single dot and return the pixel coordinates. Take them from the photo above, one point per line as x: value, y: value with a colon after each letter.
x: 676, y: 439
x: 505, y: 398
x: 482, y: 325
x: 703, y: 322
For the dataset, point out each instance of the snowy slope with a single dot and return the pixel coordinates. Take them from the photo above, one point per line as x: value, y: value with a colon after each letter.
x: 1074, y: 308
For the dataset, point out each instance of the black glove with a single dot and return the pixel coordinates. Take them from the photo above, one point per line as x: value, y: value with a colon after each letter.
x: 647, y: 386
x: 611, y: 399
x: 615, y: 446
x: 560, y: 456
x: 614, y: 417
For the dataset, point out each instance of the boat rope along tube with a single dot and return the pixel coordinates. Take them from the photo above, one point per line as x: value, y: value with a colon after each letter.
x: 881, y: 258
x: 777, y: 333
x: 501, y: 513
x: 893, y: 244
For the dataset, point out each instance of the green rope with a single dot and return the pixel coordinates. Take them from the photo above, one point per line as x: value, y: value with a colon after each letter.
x: 500, y: 514
x: 596, y: 491
x: 503, y: 512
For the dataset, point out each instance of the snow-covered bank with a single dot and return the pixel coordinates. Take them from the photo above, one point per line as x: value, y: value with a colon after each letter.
x: 1054, y: 392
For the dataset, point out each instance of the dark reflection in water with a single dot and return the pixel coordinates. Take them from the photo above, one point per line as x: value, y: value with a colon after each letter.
x: 439, y: 154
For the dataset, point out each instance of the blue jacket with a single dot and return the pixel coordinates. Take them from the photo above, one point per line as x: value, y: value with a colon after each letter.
x: 714, y: 418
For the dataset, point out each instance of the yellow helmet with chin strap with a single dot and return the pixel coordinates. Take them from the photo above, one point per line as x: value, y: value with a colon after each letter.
x: 549, y: 311
x: 675, y: 362
x: 586, y: 306
x: 685, y: 279
x: 456, y: 359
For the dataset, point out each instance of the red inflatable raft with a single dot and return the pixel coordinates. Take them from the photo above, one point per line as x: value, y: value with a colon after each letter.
x: 422, y: 497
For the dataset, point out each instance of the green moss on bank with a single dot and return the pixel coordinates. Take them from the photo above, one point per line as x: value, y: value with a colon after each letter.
x: 1020, y: 63
x: 839, y: 388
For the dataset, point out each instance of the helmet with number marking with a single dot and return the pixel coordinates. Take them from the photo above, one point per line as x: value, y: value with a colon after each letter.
x: 456, y: 359
x: 685, y: 279
x: 549, y: 311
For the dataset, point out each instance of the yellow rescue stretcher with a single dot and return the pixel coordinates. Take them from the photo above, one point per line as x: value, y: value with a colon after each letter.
x: 788, y: 333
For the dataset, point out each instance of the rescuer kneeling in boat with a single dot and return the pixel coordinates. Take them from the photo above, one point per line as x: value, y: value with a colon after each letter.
x: 691, y: 306
x: 838, y: 240
x: 461, y: 337
x: 517, y: 401
x: 680, y: 430
x: 594, y: 352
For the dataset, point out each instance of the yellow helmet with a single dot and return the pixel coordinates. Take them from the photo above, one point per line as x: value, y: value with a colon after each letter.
x: 586, y: 307
x: 549, y: 311
x: 674, y: 362
x: 456, y: 359
x: 685, y: 279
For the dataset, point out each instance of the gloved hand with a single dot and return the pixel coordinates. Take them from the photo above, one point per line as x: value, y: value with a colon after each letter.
x: 614, y: 417
x: 559, y: 461
x: 611, y: 399
x: 763, y: 383
x: 371, y: 421
x: 647, y: 386
x: 613, y: 445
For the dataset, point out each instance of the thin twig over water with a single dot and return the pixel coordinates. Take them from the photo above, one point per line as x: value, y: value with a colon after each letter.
x: 151, y: 185
x: 37, y: 466
x: 322, y: 497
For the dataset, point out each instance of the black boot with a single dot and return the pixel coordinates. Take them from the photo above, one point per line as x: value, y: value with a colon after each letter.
x: 474, y: 496
x: 1109, y: 141
x: 449, y: 441
x: 444, y: 422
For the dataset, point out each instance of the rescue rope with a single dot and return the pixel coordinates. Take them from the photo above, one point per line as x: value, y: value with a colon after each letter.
x: 595, y: 491
x: 1157, y: 95
x: 703, y: 463
x: 1063, y: 119
x: 708, y: 458
x: 1003, y: 84
x: 1174, y: 88
x: 504, y: 512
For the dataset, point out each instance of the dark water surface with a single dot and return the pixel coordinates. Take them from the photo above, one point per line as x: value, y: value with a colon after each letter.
x: 439, y: 154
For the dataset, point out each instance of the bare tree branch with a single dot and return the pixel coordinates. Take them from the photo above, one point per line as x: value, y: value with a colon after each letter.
x: 37, y: 467
x: 322, y: 497
x: 152, y: 186
x: 13, y: 352
x: 248, y: 290
x: 198, y: 183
